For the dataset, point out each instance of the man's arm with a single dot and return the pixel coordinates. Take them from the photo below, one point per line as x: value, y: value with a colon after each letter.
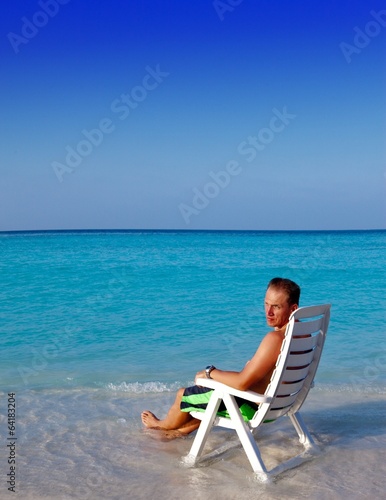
x: 256, y: 369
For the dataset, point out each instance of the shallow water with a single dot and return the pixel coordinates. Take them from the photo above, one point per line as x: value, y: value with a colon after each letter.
x: 90, y: 444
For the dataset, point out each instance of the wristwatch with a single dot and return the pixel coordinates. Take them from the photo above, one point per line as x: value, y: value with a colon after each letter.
x: 208, y: 370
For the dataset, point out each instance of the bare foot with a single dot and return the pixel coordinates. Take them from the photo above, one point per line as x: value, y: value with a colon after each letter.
x: 150, y: 420
x: 160, y: 434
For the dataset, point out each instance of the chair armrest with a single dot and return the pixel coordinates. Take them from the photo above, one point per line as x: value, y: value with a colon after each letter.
x: 255, y: 397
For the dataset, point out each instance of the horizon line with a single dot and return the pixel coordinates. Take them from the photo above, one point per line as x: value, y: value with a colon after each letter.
x: 147, y: 230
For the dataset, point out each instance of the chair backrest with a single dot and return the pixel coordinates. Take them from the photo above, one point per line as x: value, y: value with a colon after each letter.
x: 297, y: 363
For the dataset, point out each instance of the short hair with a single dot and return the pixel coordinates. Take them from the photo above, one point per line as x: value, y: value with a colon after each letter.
x: 290, y: 287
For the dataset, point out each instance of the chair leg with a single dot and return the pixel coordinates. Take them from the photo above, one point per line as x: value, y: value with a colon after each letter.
x: 246, y: 438
x: 301, y: 428
x: 204, y: 429
x: 244, y: 433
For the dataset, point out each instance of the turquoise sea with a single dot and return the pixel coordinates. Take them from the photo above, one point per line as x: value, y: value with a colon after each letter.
x: 97, y: 326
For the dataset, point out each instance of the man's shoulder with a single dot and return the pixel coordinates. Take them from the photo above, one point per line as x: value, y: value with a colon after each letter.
x: 276, y: 333
x: 274, y: 336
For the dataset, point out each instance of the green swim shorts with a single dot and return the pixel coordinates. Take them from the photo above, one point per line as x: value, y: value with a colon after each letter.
x: 196, y: 398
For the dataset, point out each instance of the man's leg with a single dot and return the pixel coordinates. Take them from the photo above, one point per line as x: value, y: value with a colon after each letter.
x: 174, y: 420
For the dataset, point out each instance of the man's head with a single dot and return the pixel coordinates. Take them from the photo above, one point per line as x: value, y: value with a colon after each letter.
x: 281, y: 300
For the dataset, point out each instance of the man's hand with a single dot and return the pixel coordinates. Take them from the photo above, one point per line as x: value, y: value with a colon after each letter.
x: 201, y: 374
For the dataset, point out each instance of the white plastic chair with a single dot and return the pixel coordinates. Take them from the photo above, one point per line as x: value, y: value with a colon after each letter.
x: 290, y: 383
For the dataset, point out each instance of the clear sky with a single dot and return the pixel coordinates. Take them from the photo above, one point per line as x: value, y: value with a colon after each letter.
x: 233, y: 114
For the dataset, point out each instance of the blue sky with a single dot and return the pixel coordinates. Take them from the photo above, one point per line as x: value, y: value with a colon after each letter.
x: 193, y: 115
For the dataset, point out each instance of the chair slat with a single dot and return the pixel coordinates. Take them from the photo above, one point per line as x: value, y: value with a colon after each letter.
x: 284, y: 401
x: 300, y: 359
x: 305, y: 327
x: 286, y: 389
x: 298, y: 374
x: 273, y: 413
x: 304, y: 344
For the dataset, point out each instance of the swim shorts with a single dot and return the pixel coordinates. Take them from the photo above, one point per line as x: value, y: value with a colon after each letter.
x: 196, y: 398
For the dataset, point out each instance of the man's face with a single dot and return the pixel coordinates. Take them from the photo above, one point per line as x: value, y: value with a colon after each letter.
x: 277, y: 309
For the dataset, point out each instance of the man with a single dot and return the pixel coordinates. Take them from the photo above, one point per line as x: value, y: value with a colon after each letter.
x: 281, y: 299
